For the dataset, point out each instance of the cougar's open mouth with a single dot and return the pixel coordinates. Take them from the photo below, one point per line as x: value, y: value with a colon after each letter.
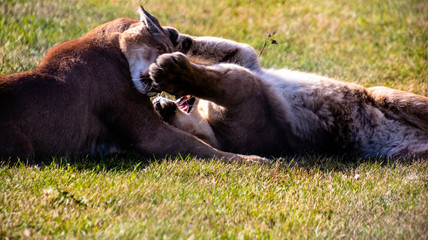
x: 185, y: 103
x: 166, y: 107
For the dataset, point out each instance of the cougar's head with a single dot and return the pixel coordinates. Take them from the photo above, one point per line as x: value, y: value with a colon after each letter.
x: 141, y: 45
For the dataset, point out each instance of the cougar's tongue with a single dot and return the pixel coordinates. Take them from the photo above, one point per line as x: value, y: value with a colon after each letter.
x: 183, y: 104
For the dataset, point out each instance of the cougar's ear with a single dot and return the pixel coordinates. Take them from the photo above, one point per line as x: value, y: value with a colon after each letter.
x: 172, y: 34
x: 151, y: 22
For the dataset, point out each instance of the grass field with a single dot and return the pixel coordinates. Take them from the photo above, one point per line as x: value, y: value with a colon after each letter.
x: 368, y: 42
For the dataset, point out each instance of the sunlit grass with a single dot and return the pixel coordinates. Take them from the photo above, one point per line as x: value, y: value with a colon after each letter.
x: 367, y: 42
x: 304, y: 198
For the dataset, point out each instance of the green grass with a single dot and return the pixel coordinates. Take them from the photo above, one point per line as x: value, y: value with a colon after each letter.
x: 296, y: 198
x: 367, y: 42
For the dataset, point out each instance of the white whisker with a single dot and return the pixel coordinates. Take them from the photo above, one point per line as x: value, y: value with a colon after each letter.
x: 136, y: 50
x: 147, y: 87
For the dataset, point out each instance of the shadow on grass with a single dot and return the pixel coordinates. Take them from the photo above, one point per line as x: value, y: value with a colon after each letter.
x: 133, y: 162
x: 334, y: 163
x: 113, y: 162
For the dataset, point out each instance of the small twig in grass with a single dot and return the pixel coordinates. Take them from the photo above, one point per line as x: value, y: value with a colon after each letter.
x: 67, y: 195
x: 272, y: 41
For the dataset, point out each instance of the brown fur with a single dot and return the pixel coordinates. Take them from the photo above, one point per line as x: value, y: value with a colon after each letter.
x: 251, y: 110
x: 80, y: 100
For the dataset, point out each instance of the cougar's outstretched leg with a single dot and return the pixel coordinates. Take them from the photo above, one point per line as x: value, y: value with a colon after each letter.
x: 223, y: 84
x: 212, y: 50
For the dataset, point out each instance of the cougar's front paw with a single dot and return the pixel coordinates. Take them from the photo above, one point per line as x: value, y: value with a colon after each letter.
x: 171, y: 73
x: 256, y: 159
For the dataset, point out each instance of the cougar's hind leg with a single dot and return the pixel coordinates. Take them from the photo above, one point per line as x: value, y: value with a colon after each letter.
x: 165, y: 140
x: 402, y: 105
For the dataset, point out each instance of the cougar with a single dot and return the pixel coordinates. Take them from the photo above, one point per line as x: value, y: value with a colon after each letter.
x: 241, y: 107
x: 90, y: 96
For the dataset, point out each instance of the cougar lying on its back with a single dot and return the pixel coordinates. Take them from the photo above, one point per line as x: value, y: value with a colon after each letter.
x: 245, y: 109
